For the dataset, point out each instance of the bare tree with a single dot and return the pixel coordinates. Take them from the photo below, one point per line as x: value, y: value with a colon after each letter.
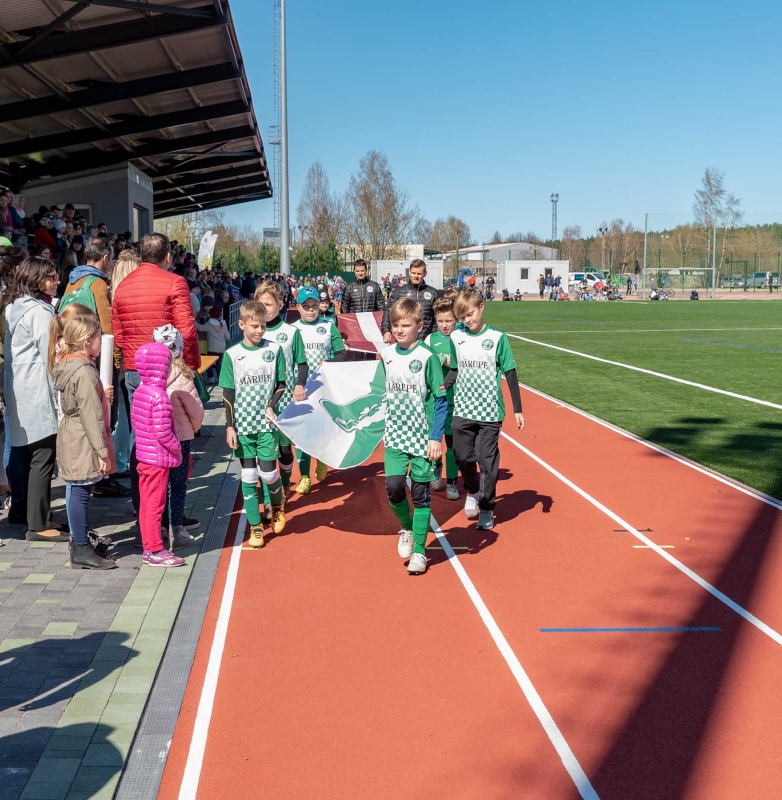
x: 321, y: 214
x: 381, y: 218
x: 423, y: 233
x: 497, y: 238
x: 714, y: 207
x: 572, y: 246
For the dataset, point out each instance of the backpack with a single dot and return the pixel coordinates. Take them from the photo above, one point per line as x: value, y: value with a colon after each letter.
x: 81, y: 295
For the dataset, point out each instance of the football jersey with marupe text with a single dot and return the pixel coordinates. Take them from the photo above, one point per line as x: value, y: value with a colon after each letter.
x: 321, y: 340
x: 289, y: 339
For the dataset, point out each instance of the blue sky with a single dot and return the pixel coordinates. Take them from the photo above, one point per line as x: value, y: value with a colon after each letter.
x: 486, y: 108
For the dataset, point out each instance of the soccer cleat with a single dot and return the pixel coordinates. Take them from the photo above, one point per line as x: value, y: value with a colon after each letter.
x: 278, y: 519
x: 304, y: 485
x: 405, y: 545
x: 321, y: 471
x: 485, y: 520
x: 452, y: 491
x: 417, y: 564
x: 436, y: 484
x: 471, y: 505
x: 256, y: 536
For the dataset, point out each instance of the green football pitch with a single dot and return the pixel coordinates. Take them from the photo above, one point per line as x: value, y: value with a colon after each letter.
x: 731, y: 345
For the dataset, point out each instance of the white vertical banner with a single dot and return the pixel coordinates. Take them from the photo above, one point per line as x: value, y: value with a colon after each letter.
x: 203, y: 248
x: 207, y: 251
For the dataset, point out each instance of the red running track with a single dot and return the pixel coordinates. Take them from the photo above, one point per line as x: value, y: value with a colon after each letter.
x: 342, y: 677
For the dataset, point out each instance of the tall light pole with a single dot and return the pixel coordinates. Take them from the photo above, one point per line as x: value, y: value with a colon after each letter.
x: 554, y: 201
x: 285, y: 233
x: 602, y: 230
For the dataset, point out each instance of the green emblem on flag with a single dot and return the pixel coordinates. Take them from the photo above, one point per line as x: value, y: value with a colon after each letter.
x: 268, y: 355
x: 415, y: 365
x: 487, y: 344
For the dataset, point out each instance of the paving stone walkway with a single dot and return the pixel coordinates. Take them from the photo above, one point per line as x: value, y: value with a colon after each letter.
x: 79, y: 650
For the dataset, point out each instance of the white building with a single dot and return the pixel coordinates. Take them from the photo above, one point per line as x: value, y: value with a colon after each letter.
x: 523, y: 275
x: 509, y: 251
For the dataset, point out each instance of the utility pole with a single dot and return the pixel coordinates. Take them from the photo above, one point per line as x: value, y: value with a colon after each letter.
x: 285, y: 233
x: 554, y: 201
x: 602, y: 230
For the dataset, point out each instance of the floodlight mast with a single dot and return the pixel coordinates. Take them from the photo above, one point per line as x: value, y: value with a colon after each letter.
x: 554, y: 201
x: 285, y: 245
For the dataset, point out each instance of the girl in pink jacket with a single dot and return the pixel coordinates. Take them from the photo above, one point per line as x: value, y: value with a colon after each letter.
x: 157, y: 448
x: 188, y: 416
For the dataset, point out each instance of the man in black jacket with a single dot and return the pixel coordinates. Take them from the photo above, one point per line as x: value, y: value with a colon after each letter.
x: 417, y: 289
x: 363, y: 294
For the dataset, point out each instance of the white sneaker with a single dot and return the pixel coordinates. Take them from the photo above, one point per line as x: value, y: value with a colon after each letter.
x: 417, y: 564
x: 405, y: 546
x: 471, y: 505
x: 452, y: 491
x: 436, y: 484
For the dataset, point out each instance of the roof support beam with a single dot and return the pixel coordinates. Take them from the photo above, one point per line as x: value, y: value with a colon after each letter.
x: 196, y: 163
x: 176, y: 193
x: 128, y: 127
x: 135, y: 5
x: 192, y: 179
x: 102, y: 37
x: 109, y: 93
x: 212, y: 196
x: 51, y: 27
x: 92, y: 160
x: 216, y: 204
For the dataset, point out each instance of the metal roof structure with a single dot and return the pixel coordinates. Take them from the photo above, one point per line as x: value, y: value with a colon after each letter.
x: 86, y: 84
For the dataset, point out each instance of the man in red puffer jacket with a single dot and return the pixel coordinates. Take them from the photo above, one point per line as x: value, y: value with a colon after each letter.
x: 149, y: 297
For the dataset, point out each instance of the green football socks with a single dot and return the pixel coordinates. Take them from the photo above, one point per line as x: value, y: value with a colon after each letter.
x: 275, y: 492
x: 265, y: 490
x: 451, y: 469
x: 402, y: 513
x: 304, y: 460
x: 421, y: 518
x: 250, y: 497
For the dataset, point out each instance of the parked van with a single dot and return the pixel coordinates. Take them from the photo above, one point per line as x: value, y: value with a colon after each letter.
x: 757, y: 280
x: 575, y: 279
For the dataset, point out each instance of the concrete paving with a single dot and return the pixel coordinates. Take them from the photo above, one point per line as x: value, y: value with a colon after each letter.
x: 79, y: 650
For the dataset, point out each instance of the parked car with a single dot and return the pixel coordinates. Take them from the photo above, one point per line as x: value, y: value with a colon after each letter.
x: 732, y: 282
x: 757, y: 280
x: 450, y: 283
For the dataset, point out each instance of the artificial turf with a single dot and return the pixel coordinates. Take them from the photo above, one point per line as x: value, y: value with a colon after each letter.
x: 731, y: 345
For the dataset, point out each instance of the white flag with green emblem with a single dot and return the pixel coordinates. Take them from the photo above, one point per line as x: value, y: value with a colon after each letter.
x: 342, y: 420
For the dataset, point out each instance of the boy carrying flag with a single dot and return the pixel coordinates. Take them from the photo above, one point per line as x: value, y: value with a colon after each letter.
x: 416, y: 408
x: 288, y: 338
x: 481, y: 355
x: 322, y: 342
x: 440, y: 343
x: 253, y: 379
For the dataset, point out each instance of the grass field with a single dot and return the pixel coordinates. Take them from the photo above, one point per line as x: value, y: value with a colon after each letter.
x: 731, y: 345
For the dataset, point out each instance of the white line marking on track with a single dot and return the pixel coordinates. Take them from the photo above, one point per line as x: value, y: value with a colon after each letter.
x: 195, y: 756
x: 569, y: 759
x: 712, y: 590
x: 651, y: 372
x: 646, y: 547
x: 739, y: 487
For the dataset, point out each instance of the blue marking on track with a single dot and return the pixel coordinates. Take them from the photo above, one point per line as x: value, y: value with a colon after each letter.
x: 731, y: 344
x: 624, y: 630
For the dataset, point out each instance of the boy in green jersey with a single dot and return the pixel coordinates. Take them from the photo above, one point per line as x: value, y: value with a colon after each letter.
x: 440, y: 342
x: 480, y: 356
x: 253, y: 379
x: 288, y: 338
x: 322, y: 342
x: 416, y: 408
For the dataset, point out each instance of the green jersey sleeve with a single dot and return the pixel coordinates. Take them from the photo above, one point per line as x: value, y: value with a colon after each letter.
x: 299, y: 356
x: 434, y: 377
x: 337, y: 345
x: 227, y: 373
x: 505, y: 358
x: 282, y: 371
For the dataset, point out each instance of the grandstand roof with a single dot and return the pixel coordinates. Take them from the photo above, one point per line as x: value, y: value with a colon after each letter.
x: 92, y: 83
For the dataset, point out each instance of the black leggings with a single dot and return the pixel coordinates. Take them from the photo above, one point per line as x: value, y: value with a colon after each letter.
x: 396, y: 486
x: 250, y: 463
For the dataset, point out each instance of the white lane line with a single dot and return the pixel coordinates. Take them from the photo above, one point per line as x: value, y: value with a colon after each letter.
x: 739, y: 487
x: 195, y: 756
x: 742, y: 612
x: 647, y: 330
x: 569, y: 759
x: 646, y: 547
x: 650, y: 372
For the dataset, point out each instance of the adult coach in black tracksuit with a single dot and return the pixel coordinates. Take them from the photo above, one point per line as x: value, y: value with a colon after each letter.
x: 416, y: 288
x: 362, y: 295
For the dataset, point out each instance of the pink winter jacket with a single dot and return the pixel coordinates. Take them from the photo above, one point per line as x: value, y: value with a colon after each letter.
x: 152, y: 415
x: 188, y: 409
